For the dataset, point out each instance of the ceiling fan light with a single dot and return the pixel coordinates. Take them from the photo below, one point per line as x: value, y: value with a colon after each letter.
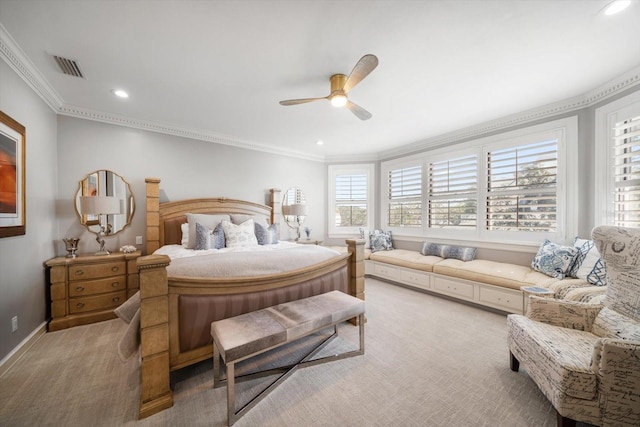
x: 338, y: 100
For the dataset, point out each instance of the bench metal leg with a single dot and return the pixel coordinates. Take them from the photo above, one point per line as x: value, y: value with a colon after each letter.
x: 233, y: 415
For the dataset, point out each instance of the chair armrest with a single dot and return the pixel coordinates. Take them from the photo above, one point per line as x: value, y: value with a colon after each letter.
x: 566, y: 314
x: 615, y: 362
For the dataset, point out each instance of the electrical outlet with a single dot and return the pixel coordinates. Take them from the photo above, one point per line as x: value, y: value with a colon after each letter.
x: 14, y: 323
x: 138, y: 240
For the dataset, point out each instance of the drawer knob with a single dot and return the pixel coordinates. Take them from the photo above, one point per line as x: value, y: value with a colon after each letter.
x: 115, y: 284
x: 115, y: 299
x: 79, y: 272
x: 80, y: 289
x: 80, y: 305
x: 115, y: 268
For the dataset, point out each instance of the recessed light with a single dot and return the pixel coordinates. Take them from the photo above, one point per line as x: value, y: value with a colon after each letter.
x: 120, y: 93
x: 616, y: 6
x: 319, y: 142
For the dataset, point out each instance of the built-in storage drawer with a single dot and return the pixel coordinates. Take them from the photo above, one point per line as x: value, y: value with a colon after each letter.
x: 97, y: 270
x: 413, y: 278
x: 501, y: 298
x: 99, y: 286
x: 386, y: 271
x: 97, y: 302
x: 458, y: 289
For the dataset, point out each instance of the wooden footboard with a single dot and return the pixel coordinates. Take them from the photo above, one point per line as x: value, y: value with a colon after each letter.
x: 160, y: 295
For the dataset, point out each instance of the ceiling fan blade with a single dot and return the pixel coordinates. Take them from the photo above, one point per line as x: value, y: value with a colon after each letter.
x: 360, y: 112
x: 365, y: 65
x: 300, y: 101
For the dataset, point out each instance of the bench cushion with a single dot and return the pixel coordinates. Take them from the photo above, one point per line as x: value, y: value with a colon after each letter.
x: 406, y: 258
x: 493, y: 273
x: 248, y: 334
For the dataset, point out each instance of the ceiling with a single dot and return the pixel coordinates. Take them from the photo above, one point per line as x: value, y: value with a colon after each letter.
x: 215, y: 70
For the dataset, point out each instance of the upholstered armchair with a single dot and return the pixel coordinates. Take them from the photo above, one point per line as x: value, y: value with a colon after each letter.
x: 584, y: 357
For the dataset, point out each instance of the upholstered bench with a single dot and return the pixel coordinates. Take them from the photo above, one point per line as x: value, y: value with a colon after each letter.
x: 242, y: 337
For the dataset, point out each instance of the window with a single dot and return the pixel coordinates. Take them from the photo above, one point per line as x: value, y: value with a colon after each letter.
x: 351, y: 198
x: 405, y: 197
x: 626, y: 173
x: 617, y: 168
x: 453, y: 193
x: 521, y: 187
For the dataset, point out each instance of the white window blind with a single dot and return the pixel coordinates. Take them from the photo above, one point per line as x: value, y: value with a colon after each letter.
x: 521, y: 187
x: 626, y: 173
x: 351, y: 200
x: 453, y: 192
x: 405, y: 197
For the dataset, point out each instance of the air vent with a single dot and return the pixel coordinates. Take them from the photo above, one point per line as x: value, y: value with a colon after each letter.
x: 68, y: 66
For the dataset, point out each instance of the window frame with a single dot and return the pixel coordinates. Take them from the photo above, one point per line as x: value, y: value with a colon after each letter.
x: 333, y: 171
x: 606, y: 117
x: 385, y: 169
x: 567, y: 202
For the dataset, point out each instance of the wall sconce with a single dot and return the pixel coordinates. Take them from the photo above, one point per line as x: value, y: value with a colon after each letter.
x: 100, y: 206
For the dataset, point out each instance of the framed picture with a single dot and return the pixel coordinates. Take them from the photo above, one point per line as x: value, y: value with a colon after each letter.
x: 12, y: 177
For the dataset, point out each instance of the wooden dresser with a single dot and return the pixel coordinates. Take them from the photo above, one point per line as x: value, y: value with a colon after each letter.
x: 87, y: 288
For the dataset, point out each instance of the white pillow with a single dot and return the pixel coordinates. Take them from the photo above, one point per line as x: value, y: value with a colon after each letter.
x: 209, y: 221
x: 588, y: 265
x: 258, y: 219
x: 185, y: 234
x: 240, y: 235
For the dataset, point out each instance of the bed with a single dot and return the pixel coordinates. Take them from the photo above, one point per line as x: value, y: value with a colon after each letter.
x: 176, y: 309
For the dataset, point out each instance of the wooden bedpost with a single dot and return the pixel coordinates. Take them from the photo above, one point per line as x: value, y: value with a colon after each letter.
x: 356, y: 269
x: 153, y: 214
x: 155, y: 388
x: 276, y: 207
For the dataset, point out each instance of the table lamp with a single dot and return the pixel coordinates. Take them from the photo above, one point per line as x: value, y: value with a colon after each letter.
x: 100, y: 205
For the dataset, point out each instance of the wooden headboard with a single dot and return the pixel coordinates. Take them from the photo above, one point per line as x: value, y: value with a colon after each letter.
x: 164, y: 219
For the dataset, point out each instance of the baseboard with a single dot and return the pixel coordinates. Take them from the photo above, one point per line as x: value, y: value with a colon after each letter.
x: 15, y: 354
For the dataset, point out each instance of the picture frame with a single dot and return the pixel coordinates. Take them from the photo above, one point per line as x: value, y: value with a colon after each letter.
x: 12, y: 177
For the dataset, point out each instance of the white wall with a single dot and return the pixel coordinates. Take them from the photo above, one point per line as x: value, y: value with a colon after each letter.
x: 188, y: 168
x: 22, y: 275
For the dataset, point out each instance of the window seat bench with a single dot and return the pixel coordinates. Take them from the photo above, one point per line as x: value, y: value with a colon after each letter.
x: 487, y: 283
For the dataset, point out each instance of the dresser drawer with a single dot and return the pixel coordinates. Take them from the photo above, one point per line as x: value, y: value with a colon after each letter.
x: 96, y: 271
x: 458, y: 289
x: 99, y: 286
x: 97, y: 302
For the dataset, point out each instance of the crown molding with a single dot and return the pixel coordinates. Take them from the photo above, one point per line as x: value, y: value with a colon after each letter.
x: 13, y: 55
x: 612, y: 88
x: 169, y: 129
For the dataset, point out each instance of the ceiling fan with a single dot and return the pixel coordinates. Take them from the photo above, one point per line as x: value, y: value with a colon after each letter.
x: 341, y: 85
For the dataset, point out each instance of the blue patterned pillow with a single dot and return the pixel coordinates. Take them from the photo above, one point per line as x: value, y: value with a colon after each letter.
x: 449, y: 251
x: 588, y: 265
x: 553, y: 259
x: 381, y: 241
x: 209, y: 239
x: 266, y: 235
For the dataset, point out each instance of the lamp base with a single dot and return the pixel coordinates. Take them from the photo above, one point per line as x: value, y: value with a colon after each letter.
x: 103, y: 253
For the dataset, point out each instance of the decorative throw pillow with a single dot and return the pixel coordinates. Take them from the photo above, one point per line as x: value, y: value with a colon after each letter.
x: 553, y: 259
x: 380, y: 241
x: 185, y: 234
x: 449, y: 251
x: 239, y: 235
x: 588, y: 265
x: 209, y: 221
x: 266, y: 235
x: 364, y: 234
x: 209, y: 239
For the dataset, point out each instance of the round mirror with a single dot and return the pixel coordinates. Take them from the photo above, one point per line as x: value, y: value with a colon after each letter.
x: 294, y: 208
x: 104, y: 202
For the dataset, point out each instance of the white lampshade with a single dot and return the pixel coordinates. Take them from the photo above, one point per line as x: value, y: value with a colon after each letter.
x: 296, y: 210
x: 96, y: 205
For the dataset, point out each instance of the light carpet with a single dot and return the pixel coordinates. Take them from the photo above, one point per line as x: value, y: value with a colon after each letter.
x: 429, y: 361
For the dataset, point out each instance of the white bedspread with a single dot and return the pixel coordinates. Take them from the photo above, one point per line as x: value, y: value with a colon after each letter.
x: 243, y: 262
